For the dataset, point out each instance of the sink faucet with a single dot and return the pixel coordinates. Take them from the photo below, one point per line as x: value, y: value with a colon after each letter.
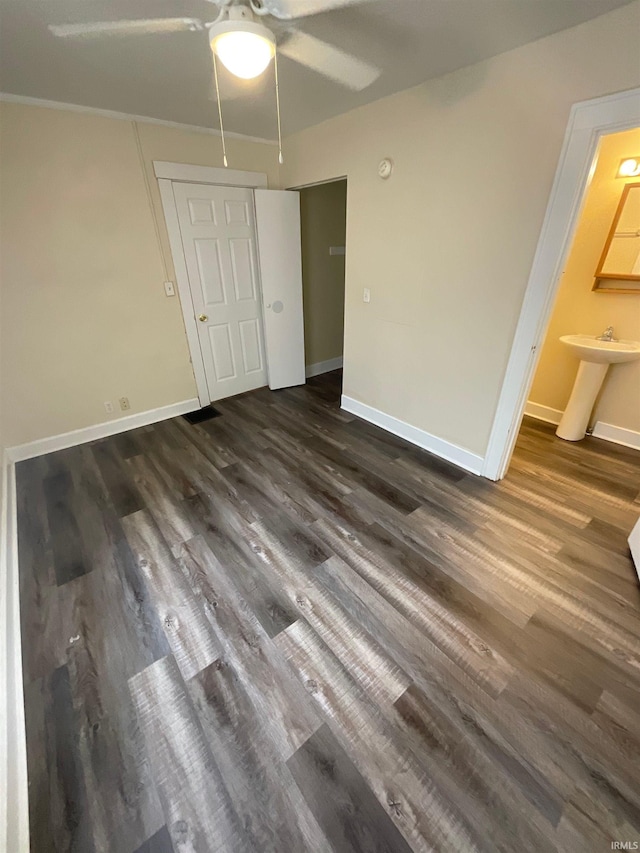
x: 607, y: 335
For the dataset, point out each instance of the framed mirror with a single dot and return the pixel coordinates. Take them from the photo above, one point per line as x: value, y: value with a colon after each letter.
x: 620, y: 259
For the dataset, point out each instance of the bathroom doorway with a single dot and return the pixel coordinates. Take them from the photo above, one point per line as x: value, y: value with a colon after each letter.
x: 598, y: 297
x: 589, y: 122
x: 323, y: 209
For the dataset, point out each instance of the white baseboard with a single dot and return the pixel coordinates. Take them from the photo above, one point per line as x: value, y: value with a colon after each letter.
x: 608, y: 432
x: 323, y: 366
x: 438, y: 446
x: 616, y: 434
x: 543, y: 413
x: 91, y: 433
x: 14, y: 794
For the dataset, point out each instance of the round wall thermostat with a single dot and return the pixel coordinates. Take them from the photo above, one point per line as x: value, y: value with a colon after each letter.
x: 385, y: 167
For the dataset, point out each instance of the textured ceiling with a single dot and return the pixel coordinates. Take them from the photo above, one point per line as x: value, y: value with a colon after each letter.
x: 169, y: 76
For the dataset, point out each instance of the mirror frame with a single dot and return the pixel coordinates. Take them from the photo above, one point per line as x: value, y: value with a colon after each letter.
x: 607, y: 245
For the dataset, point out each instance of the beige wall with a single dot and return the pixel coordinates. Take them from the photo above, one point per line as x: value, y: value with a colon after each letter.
x: 446, y: 244
x: 580, y: 310
x: 323, y: 224
x: 84, y: 314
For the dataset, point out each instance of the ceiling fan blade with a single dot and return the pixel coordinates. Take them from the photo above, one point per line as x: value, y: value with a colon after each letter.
x: 329, y: 61
x: 286, y: 10
x: 126, y: 28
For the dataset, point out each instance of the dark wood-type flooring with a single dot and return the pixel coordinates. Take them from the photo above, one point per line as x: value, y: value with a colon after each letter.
x: 287, y: 630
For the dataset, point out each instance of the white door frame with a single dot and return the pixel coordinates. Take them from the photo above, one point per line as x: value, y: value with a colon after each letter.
x: 167, y: 173
x: 588, y: 122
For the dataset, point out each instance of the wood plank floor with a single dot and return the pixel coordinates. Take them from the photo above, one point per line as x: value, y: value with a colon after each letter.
x: 287, y: 630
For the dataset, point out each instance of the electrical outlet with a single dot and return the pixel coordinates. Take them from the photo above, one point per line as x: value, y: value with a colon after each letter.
x: 124, y: 403
x: 366, y: 296
x: 169, y: 288
x: 108, y: 407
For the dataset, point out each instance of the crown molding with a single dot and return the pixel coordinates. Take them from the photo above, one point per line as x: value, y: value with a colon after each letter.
x: 79, y: 108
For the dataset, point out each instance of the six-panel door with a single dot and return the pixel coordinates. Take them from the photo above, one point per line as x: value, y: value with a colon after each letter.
x: 219, y: 239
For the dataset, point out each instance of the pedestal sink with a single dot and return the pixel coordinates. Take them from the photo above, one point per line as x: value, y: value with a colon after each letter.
x: 595, y: 357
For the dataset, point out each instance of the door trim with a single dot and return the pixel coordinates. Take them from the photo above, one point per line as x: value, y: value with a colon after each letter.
x: 588, y: 122
x: 209, y: 175
x: 165, y: 184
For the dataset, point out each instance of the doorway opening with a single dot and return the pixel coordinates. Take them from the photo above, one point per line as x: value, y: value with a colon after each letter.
x: 587, y: 380
x: 589, y: 122
x: 323, y: 228
x: 236, y: 251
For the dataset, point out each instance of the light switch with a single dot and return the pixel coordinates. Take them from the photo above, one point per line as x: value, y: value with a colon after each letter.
x: 169, y: 288
x: 366, y: 296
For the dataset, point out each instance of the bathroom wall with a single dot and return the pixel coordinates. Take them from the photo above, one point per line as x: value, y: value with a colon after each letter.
x: 579, y: 309
x: 323, y: 211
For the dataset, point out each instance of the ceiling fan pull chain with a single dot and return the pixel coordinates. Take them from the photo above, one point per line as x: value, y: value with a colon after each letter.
x: 275, y: 68
x: 215, y: 74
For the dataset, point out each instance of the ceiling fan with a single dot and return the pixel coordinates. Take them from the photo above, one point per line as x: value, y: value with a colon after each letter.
x: 244, y: 44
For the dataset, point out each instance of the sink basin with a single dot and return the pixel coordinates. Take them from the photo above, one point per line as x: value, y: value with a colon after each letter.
x: 595, y: 357
x: 588, y: 348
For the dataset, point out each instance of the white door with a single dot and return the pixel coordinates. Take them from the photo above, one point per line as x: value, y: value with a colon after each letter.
x: 278, y: 225
x: 219, y: 240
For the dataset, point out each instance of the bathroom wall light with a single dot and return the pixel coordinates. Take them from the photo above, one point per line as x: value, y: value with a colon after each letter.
x: 629, y: 167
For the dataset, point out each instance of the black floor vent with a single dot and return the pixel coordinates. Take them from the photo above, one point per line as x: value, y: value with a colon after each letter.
x: 202, y: 415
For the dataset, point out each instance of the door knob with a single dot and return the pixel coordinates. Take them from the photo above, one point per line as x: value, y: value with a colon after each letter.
x: 203, y: 318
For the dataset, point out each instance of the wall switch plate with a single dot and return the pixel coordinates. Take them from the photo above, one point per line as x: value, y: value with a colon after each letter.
x: 108, y: 407
x: 169, y: 288
x: 124, y: 403
x: 366, y: 296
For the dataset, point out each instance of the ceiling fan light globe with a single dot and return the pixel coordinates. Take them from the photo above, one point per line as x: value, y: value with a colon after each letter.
x: 244, y: 48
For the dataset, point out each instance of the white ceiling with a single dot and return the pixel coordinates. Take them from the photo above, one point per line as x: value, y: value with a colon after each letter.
x: 168, y: 76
